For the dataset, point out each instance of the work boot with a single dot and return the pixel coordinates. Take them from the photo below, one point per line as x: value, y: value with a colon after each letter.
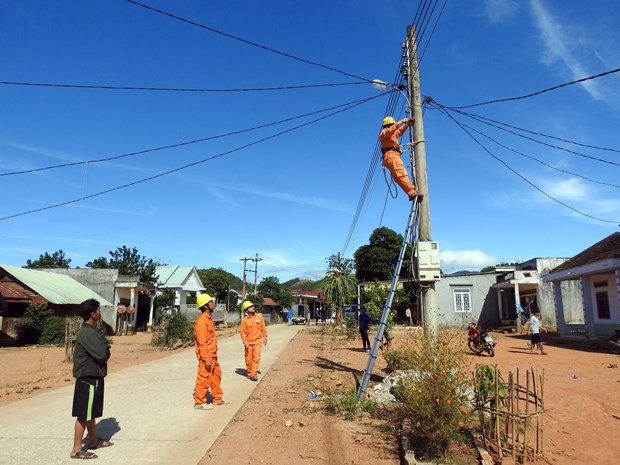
x: 416, y: 194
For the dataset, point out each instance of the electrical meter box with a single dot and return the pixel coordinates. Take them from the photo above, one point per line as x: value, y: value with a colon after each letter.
x: 428, y: 261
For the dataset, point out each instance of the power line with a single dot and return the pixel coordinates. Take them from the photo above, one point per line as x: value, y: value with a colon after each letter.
x: 444, y: 111
x: 180, y: 144
x: 511, y: 99
x: 175, y: 89
x: 579, y: 154
x: 189, y: 165
x: 479, y: 117
x: 245, y: 41
x: 539, y: 161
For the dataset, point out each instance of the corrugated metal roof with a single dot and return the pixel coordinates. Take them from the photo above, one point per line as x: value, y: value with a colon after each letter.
x: 173, y: 276
x: 56, y: 288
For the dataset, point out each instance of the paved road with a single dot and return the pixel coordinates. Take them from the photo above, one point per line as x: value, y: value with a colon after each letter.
x: 148, y: 411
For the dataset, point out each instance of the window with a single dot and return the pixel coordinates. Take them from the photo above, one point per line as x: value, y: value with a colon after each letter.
x: 462, y: 300
x: 602, y: 306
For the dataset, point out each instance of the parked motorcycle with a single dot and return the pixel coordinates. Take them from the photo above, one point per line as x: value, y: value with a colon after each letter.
x: 480, y: 340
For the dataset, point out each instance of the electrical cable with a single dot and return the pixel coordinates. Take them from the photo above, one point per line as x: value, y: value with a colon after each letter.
x: 596, y: 147
x: 180, y: 168
x: 181, y: 144
x: 579, y: 154
x: 176, y: 89
x: 245, y: 41
x: 512, y: 99
x: 538, y: 160
x: 520, y: 175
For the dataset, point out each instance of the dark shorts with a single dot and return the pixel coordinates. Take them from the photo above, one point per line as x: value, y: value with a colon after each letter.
x: 536, y: 338
x: 88, y: 399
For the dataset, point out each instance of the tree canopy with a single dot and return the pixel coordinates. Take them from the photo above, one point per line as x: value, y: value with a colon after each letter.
x: 377, y: 259
x: 271, y: 287
x: 338, y: 285
x: 129, y: 261
x: 55, y: 260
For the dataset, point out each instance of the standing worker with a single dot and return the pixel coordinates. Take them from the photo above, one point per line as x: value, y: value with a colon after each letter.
x: 364, y: 323
x: 90, y: 366
x: 254, y: 335
x: 390, y: 148
x: 209, y: 372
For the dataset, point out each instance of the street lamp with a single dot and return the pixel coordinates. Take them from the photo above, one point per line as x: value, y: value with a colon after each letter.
x: 381, y: 85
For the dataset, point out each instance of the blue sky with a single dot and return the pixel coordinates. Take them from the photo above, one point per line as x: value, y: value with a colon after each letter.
x: 292, y: 198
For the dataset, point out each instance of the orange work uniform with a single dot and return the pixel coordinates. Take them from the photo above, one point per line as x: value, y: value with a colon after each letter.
x: 253, y: 332
x: 206, y: 351
x: 391, y: 155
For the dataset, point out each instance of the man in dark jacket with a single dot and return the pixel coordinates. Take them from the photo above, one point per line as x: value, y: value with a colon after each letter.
x: 90, y: 366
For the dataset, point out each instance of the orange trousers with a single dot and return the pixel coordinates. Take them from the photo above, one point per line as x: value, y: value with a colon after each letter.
x: 393, y: 162
x: 206, y: 379
x: 252, y: 358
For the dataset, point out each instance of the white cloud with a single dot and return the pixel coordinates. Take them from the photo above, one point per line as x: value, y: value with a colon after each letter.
x: 455, y: 260
x: 557, y: 38
x: 328, y: 204
x: 572, y: 189
x: 499, y: 10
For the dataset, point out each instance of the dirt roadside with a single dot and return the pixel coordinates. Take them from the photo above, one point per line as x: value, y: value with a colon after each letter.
x: 581, y: 395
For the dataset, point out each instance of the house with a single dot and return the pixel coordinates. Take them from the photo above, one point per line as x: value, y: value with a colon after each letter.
x: 123, y: 290
x: 595, y: 272
x: 182, y: 280
x: 466, y: 297
x: 21, y: 287
x: 524, y: 285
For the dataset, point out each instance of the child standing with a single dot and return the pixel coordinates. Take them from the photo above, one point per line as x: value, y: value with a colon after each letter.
x: 535, y: 328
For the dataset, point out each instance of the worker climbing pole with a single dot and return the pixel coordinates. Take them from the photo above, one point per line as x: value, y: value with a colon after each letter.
x: 418, y: 224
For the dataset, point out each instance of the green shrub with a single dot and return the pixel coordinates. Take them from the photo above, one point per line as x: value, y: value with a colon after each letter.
x: 32, y: 323
x: 179, y: 327
x: 434, y: 398
x: 53, y: 331
x: 348, y: 405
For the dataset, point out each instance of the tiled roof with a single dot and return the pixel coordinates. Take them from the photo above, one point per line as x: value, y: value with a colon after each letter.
x: 603, y: 250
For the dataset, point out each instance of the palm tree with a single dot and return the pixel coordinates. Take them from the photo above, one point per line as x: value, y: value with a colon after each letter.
x: 338, y: 286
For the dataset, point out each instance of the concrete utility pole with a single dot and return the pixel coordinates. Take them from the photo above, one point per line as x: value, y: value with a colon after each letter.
x: 256, y: 260
x: 245, y: 261
x: 429, y: 306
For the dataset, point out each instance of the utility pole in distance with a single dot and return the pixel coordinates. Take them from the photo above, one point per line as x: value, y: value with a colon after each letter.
x: 256, y: 260
x: 245, y: 261
x: 429, y: 305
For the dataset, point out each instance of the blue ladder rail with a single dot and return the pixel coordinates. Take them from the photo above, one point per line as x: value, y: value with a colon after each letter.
x: 361, y: 392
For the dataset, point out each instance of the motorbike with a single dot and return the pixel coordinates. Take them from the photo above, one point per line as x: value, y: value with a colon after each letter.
x: 480, y: 340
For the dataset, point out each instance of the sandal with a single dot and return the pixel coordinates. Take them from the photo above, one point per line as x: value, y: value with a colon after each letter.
x: 84, y: 455
x: 102, y: 443
x: 203, y: 406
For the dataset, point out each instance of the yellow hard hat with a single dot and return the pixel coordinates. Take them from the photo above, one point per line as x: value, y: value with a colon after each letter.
x: 203, y: 299
x: 388, y: 120
x: 246, y: 304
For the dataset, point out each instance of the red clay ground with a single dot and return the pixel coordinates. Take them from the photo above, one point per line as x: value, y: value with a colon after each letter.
x: 582, y: 420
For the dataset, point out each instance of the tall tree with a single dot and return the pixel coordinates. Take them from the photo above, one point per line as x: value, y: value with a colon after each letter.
x: 55, y: 260
x: 129, y: 261
x: 376, y: 261
x: 218, y: 281
x: 338, y: 285
x: 271, y: 287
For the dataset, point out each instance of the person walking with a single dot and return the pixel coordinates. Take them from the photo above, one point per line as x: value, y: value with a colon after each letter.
x: 535, y: 328
x: 390, y: 148
x: 254, y: 335
x: 209, y: 372
x: 408, y: 315
x: 364, y: 324
x: 289, y: 316
x: 90, y: 367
